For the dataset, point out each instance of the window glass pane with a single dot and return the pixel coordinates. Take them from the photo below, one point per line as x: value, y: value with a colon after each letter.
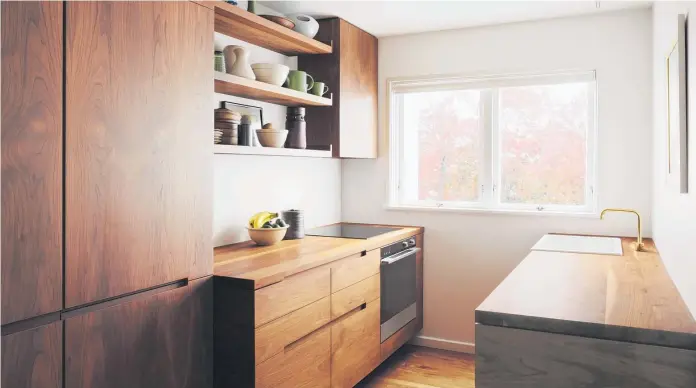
x: 442, y: 146
x: 543, y: 136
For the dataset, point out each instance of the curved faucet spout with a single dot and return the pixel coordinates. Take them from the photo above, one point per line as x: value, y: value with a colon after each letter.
x: 639, y: 245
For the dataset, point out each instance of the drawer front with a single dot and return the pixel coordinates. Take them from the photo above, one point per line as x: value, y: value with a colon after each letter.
x: 274, y: 336
x: 291, y: 294
x: 355, y: 350
x: 352, y: 297
x: 353, y: 269
x: 304, y: 364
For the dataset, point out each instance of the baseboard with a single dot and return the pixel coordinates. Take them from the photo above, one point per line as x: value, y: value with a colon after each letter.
x: 445, y: 344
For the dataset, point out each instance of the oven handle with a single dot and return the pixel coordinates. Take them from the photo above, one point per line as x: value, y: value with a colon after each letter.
x: 399, y: 256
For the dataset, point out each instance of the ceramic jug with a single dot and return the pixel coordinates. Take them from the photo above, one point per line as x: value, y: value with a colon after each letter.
x: 237, y: 62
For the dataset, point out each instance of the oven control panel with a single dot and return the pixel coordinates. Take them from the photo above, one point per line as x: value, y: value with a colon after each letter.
x: 398, y: 247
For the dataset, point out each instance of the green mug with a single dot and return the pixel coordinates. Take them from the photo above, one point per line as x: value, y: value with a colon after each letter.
x: 297, y: 80
x: 319, y: 89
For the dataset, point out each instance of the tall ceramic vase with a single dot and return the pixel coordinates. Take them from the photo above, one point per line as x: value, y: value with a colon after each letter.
x: 237, y: 62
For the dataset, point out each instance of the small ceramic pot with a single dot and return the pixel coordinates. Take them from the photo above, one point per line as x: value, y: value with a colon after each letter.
x: 304, y: 24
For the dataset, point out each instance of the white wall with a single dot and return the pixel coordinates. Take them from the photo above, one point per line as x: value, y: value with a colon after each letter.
x: 674, y: 214
x: 467, y: 255
x: 246, y: 184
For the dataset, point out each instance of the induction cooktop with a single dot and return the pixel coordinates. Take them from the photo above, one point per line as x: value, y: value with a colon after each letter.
x: 350, y: 231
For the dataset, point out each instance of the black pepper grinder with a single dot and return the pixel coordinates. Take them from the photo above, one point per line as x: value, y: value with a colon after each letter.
x: 297, y: 128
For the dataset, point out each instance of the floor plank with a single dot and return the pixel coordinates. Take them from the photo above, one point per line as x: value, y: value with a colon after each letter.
x: 420, y: 367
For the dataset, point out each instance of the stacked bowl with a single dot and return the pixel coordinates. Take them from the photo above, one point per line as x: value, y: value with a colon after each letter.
x: 271, y: 73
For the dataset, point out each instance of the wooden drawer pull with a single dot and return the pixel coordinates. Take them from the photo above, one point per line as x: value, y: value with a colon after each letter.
x: 351, y: 312
x: 298, y: 341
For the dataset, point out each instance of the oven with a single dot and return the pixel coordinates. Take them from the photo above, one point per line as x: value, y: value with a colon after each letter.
x: 398, y: 289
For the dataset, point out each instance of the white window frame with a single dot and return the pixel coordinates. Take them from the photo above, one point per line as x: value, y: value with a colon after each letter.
x: 490, y: 174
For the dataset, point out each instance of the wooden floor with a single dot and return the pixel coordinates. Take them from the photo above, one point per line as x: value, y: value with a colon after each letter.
x: 419, y: 367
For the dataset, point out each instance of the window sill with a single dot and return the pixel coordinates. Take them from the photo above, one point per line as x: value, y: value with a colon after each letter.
x: 502, y: 212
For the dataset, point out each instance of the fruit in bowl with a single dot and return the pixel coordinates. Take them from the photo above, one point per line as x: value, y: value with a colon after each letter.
x: 265, y: 228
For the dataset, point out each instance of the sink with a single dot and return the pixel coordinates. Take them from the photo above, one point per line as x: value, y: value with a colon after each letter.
x: 580, y: 244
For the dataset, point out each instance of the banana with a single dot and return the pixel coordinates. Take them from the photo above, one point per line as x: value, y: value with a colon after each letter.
x: 252, y: 220
x: 257, y: 220
x: 262, y: 220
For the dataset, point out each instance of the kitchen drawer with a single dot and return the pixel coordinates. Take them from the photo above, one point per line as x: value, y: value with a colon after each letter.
x: 305, y: 363
x: 351, y: 297
x: 291, y: 294
x: 355, y: 350
x: 274, y: 336
x: 353, y: 269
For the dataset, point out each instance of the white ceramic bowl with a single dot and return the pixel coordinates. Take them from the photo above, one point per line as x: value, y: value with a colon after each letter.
x: 272, y: 137
x: 267, y: 236
x: 304, y: 24
x: 271, y: 73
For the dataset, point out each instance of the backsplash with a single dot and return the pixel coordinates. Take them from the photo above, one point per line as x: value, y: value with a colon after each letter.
x: 246, y: 184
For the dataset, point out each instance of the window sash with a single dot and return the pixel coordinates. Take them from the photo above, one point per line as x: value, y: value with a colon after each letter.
x: 490, y: 169
x: 444, y: 83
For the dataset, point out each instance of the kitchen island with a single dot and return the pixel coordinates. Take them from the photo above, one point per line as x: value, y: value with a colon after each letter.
x: 585, y: 320
x: 308, y: 312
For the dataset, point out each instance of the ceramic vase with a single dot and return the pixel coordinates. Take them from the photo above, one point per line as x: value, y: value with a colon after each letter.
x: 304, y: 24
x: 237, y: 62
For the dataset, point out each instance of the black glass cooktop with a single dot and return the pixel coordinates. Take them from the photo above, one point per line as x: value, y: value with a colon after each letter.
x: 349, y: 231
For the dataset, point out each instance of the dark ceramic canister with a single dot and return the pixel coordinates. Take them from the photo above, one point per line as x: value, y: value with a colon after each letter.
x: 245, y: 132
x: 295, y: 219
x: 297, y: 128
x: 245, y: 136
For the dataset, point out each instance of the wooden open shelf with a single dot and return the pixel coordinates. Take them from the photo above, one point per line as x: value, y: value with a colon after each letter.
x: 261, y: 91
x: 233, y: 21
x: 243, y: 150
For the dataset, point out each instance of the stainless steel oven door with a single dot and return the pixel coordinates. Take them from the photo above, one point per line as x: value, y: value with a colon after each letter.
x: 397, y: 291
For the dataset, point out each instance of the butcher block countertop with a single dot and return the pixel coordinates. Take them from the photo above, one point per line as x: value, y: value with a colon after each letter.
x: 624, y: 298
x: 253, y: 266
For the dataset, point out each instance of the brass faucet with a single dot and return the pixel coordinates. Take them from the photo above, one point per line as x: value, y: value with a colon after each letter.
x: 639, y: 246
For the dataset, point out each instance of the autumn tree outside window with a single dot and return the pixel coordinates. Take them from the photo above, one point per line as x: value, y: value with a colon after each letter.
x: 504, y: 143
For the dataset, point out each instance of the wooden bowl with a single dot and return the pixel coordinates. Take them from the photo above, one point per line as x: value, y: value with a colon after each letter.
x: 285, y: 22
x: 267, y: 236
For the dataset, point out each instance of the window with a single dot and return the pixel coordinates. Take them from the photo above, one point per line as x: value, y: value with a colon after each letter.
x: 512, y: 143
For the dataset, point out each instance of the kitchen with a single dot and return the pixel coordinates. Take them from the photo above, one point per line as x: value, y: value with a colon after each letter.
x: 119, y: 219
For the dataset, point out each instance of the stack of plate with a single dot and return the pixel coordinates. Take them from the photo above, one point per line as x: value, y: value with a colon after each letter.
x: 228, y: 135
x: 226, y: 124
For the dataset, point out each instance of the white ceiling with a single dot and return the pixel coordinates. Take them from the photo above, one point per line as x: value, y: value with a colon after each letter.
x: 390, y: 17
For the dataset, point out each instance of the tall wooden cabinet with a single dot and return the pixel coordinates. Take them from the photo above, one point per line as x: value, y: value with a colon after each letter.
x: 163, y: 340
x: 350, y: 124
x: 33, y: 358
x: 138, y: 151
x: 32, y: 136
x: 106, y: 156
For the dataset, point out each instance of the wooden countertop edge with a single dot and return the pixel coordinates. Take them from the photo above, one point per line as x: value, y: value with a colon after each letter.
x: 604, y: 331
x: 683, y: 336
x: 333, y: 254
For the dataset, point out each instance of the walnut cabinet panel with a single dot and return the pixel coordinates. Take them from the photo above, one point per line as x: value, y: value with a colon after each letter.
x: 138, y: 178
